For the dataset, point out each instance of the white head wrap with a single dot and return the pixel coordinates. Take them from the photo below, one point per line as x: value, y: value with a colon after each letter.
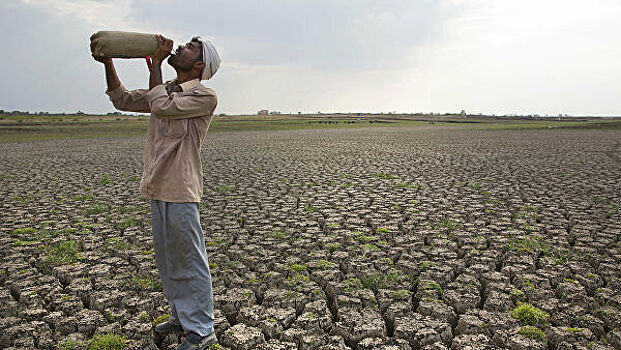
x: 210, y: 57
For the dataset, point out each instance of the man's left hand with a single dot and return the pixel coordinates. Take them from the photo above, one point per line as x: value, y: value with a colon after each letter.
x: 163, y: 50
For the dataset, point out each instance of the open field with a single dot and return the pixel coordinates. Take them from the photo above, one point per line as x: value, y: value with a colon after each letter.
x: 434, y: 236
x: 27, y: 128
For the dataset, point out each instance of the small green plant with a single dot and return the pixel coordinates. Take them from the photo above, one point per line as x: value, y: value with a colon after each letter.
x: 447, y: 225
x: 127, y: 222
x: 105, y: 179
x: 309, y: 208
x: 332, y: 247
x: 346, y: 184
x: 325, y: 264
x: 532, y: 332
x: 382, y: 230
x: 63, y: 253
x: 333, y: 225
x: 530, y: 315
x: 365, y: 239
x: 83, y: 197
x: 528, y: 244
x: 428, y: 285
x: 518, y: 294
x: 426, y: 265
x: 160, y: 319
x: 107, y: 341
x: 573, y: 330
x: 474, y: 185
x: 96, y: 208
x: 346, y: 176
x: 381, y: 280
x: 278, y: 234
x: 224, y: 188
x: 351, y: 284
x: 24, y: 231
x: 139, y: 283
x: 120, y: 244
x: 401, y: 294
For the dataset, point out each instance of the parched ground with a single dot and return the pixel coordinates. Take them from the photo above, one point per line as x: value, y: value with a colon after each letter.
x: 383, y: 238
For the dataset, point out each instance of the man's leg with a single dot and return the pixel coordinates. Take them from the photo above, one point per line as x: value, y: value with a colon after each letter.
x: 187, y: 268
x: 160, y: 231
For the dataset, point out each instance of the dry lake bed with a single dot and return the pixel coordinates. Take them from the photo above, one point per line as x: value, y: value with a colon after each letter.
x: 363, y: 238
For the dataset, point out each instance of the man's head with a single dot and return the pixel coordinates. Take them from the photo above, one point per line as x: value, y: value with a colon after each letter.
x: 198, y: 57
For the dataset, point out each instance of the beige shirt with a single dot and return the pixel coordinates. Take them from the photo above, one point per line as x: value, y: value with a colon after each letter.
x: 177, y: 128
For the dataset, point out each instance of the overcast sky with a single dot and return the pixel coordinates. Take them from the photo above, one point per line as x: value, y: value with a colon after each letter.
x: 493, y: 56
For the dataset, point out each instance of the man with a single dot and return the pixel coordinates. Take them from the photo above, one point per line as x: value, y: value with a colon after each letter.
x: 181, y: 111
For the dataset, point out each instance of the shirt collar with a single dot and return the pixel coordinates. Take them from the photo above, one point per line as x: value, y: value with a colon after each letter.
x: 190, y: 84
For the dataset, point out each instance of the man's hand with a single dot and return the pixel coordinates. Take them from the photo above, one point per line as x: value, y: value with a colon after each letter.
x: 101, y: 58
x: 163, y: 50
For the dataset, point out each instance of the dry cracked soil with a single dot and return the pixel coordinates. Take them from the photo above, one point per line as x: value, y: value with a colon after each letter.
x: 396, y: 238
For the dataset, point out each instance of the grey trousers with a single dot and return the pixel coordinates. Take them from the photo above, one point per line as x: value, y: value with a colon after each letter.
x: 182, y: 263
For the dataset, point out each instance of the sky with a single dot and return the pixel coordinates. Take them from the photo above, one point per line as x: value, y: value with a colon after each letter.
x: 491, y: 57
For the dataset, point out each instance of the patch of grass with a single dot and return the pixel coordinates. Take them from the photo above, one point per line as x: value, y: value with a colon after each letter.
x: 309, y: 208
x: 24, y: 231
x: 160, y: 319
x: 127, y: 222
x: 96, y: 208
x: 62, y: 253
x: 224, y: 188
x: 298, y: 268
x: 351, y: 285
x: 447, y: 225
x: 365, y: 239
x: 332, y: 247
x: 325, y: 264
x: 20, y: 243
x: 406, y: 185
x: 530, y: 315
x: 381, y: 280
x: 346, y: 176
x: 83, y: 197
x: 475, y: 185
x: 107, y: 341
x: 401, y: 294
x: 426, y: 265
x: 528, y: 244
x: 382, y: 230
x: 279, y: 234
x: 120, y: 244
x: 333, y: 225
x: 140, y: 283
x: 346, y: 184
x: 532, y: 333
x: 426, y: 285
x: 105, y: 179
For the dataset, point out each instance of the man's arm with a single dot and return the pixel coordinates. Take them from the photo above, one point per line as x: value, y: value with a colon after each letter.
x: 129, y: 101
x: 111, y: 78
x: 163, y: 50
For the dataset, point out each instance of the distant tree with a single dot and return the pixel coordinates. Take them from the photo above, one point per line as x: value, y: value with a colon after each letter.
x: 80, y: 113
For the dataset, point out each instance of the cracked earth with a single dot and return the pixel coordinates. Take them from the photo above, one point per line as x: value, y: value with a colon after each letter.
x: 384, y: 238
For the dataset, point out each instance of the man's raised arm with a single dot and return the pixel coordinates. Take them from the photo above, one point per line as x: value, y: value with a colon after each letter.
x: 128, y: 101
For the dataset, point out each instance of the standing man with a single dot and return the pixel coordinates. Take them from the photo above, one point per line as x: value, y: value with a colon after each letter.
x: 181, y: 111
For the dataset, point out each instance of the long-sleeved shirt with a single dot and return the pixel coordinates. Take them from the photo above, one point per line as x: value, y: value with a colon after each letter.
x: 177, y: 128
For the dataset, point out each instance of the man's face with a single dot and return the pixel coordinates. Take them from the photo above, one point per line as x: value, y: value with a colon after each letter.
x: 186, y: 56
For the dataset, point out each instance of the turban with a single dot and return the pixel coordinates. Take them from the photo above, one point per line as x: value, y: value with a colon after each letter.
x: 210, y: 57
